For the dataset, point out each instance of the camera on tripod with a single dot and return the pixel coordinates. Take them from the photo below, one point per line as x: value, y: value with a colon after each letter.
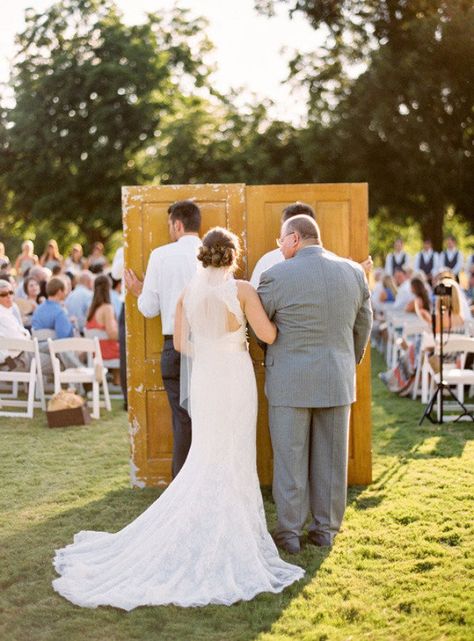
x: 443, y: 290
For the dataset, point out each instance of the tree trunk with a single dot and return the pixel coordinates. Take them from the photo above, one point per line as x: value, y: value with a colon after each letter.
x: 431, y: 226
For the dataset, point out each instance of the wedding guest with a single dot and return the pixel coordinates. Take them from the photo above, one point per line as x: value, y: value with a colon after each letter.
x: 101, y: 315
x: 404, y: 293
x: 4, y: 260
x: 31, y: 301
x: 75, y: 262
x: 389, y: 290
x: 97, y: 262
x: 117, y: 273
x: 170, y: 268
x: 51, y: 257
x: 51, y: 313
x: 27, y: 259
x: 397, y: 259
x: 10, y: 327
x: 7, y: 278
x: 79, y: 300
x: 43, y: 276
x: 451, y: 258
x: 401, y: 376
x: 426, y: 260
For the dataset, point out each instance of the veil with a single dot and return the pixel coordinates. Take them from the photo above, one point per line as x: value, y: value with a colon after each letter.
x: 211, y: 312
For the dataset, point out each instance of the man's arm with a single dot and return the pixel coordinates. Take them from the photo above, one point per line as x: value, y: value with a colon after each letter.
x: 265, y: 291
x: 363, y: 323
x: 63, y: 326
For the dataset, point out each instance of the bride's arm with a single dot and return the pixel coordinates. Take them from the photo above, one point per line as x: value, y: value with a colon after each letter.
x: 252, y: 307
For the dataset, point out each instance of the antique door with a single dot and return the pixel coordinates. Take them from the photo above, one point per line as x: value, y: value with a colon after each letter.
x: 254, y: 214
x: 146, y: 227
x: 342, y: 214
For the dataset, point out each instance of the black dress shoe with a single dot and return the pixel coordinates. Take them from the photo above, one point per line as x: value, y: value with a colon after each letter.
x: 292, y: 546
x: 319, y: 541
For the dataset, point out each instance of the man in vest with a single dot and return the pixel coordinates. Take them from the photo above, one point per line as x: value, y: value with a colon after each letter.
x: 451, y: 258
x: 397, y: 259
x: 426, y: 261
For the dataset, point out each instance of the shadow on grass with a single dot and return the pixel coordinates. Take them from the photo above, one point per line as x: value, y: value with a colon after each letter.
x: 26, y: 588
x: 396, y: 424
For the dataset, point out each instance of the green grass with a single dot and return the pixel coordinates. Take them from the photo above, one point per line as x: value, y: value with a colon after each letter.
x: 401, y: 569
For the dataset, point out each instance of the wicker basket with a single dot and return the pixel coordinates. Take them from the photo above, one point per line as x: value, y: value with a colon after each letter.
x: 71, y: 416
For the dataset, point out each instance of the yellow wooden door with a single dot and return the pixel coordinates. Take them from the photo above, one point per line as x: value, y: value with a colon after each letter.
x: 254, y: 214
x: 145, y: 220
x: 342, y: 214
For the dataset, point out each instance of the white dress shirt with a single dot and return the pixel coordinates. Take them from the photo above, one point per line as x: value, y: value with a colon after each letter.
x: 450, y: 254
x: 117, y: 265
x: 404, y: 296
x: 170, y: 268
x: 265, y: 262
x: 10, y: 328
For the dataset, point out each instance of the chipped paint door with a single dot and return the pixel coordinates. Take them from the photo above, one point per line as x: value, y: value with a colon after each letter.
x: 254, y: 214
x: 146, y: 227
x: 342, y: 214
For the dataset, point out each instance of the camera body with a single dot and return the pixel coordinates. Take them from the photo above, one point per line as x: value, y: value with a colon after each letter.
x: 443, y: 290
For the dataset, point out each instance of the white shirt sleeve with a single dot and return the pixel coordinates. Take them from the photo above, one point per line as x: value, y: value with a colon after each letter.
x: 416, y: 266
x: 388, y: 265
x: 117, y: 265
x: 458, y: 266
x: 257, y: 272
x: 149, y: 299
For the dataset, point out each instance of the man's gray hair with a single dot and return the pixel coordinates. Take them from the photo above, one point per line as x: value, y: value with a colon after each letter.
x: 305, y: 226
x: 4, y: 284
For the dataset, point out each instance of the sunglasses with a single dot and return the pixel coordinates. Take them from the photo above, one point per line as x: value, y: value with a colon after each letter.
x: 4, y: 294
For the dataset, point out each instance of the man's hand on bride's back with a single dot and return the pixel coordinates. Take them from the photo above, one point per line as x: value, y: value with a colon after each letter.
x: 252, y: 307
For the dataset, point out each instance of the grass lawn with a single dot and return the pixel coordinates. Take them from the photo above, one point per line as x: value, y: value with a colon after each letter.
x: 402, y: 569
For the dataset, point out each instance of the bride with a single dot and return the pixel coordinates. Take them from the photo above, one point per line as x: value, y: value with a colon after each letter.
x: 205, y: 539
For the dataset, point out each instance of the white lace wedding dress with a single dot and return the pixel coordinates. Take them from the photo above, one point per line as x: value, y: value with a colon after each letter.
x: 205, y: 539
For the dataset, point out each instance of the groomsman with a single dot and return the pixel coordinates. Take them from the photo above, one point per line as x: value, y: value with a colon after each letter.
x: 397, y: 259
x: 451, y: 258
x: 426, y: 261
x: 170, y: 268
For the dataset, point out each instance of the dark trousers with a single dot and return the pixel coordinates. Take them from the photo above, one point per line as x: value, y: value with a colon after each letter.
x: 123, y: 354
x: 170, y: 366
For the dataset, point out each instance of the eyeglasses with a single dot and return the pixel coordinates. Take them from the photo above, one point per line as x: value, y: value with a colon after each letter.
x: 279, y: 241
x: 4, y: 294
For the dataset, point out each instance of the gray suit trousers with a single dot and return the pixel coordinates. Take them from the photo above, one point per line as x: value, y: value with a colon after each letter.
x: 310, y: 453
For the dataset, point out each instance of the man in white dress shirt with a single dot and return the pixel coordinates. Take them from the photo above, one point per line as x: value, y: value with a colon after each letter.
x: 426, y: 261
x: 451, y: 258
x: 396, y: 259
x: 170, y: 268
x: 404, y: 293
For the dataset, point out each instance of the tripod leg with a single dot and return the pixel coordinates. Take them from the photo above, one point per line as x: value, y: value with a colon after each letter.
x: 429, y: 407
x: 466, y: 412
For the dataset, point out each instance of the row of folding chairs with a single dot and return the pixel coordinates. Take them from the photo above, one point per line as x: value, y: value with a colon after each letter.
x: 93, y: 372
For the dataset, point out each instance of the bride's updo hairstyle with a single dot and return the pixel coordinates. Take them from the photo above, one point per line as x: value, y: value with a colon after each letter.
x: 220, y: 248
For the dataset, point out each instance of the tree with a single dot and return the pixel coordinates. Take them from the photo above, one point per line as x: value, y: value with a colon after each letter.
x: 90, y: 93
x: 406, y: 123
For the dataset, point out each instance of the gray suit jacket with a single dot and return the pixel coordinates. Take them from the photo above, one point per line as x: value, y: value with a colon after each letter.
x: 321, y: 306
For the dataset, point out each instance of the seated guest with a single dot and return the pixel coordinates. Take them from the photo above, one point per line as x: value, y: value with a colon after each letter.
x: 79, y: 300
x: 404, y: 294
x: 401, y: 377
x: 30, y: 301
x: 389, y: 290
x: 116, y: 295
x: 51, y: 257
x: 42, y: 275
x: 26, y: 259
x: 10, y: 327
x: 51, y: 313
x: 102, y: 316
x: 74, y: 263
x: 4, y: 260
x: 97, y: 262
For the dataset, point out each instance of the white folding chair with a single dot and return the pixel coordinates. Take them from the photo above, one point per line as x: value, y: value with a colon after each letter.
x: 111, y: 363
x: 93, y: 372
x: 454, y: 375
x: 33, y: 378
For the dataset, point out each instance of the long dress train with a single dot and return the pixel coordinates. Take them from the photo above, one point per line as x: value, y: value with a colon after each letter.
x: 205, y: 539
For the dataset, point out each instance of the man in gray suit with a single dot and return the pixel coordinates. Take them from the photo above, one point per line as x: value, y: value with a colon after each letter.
x: 321, y: 306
